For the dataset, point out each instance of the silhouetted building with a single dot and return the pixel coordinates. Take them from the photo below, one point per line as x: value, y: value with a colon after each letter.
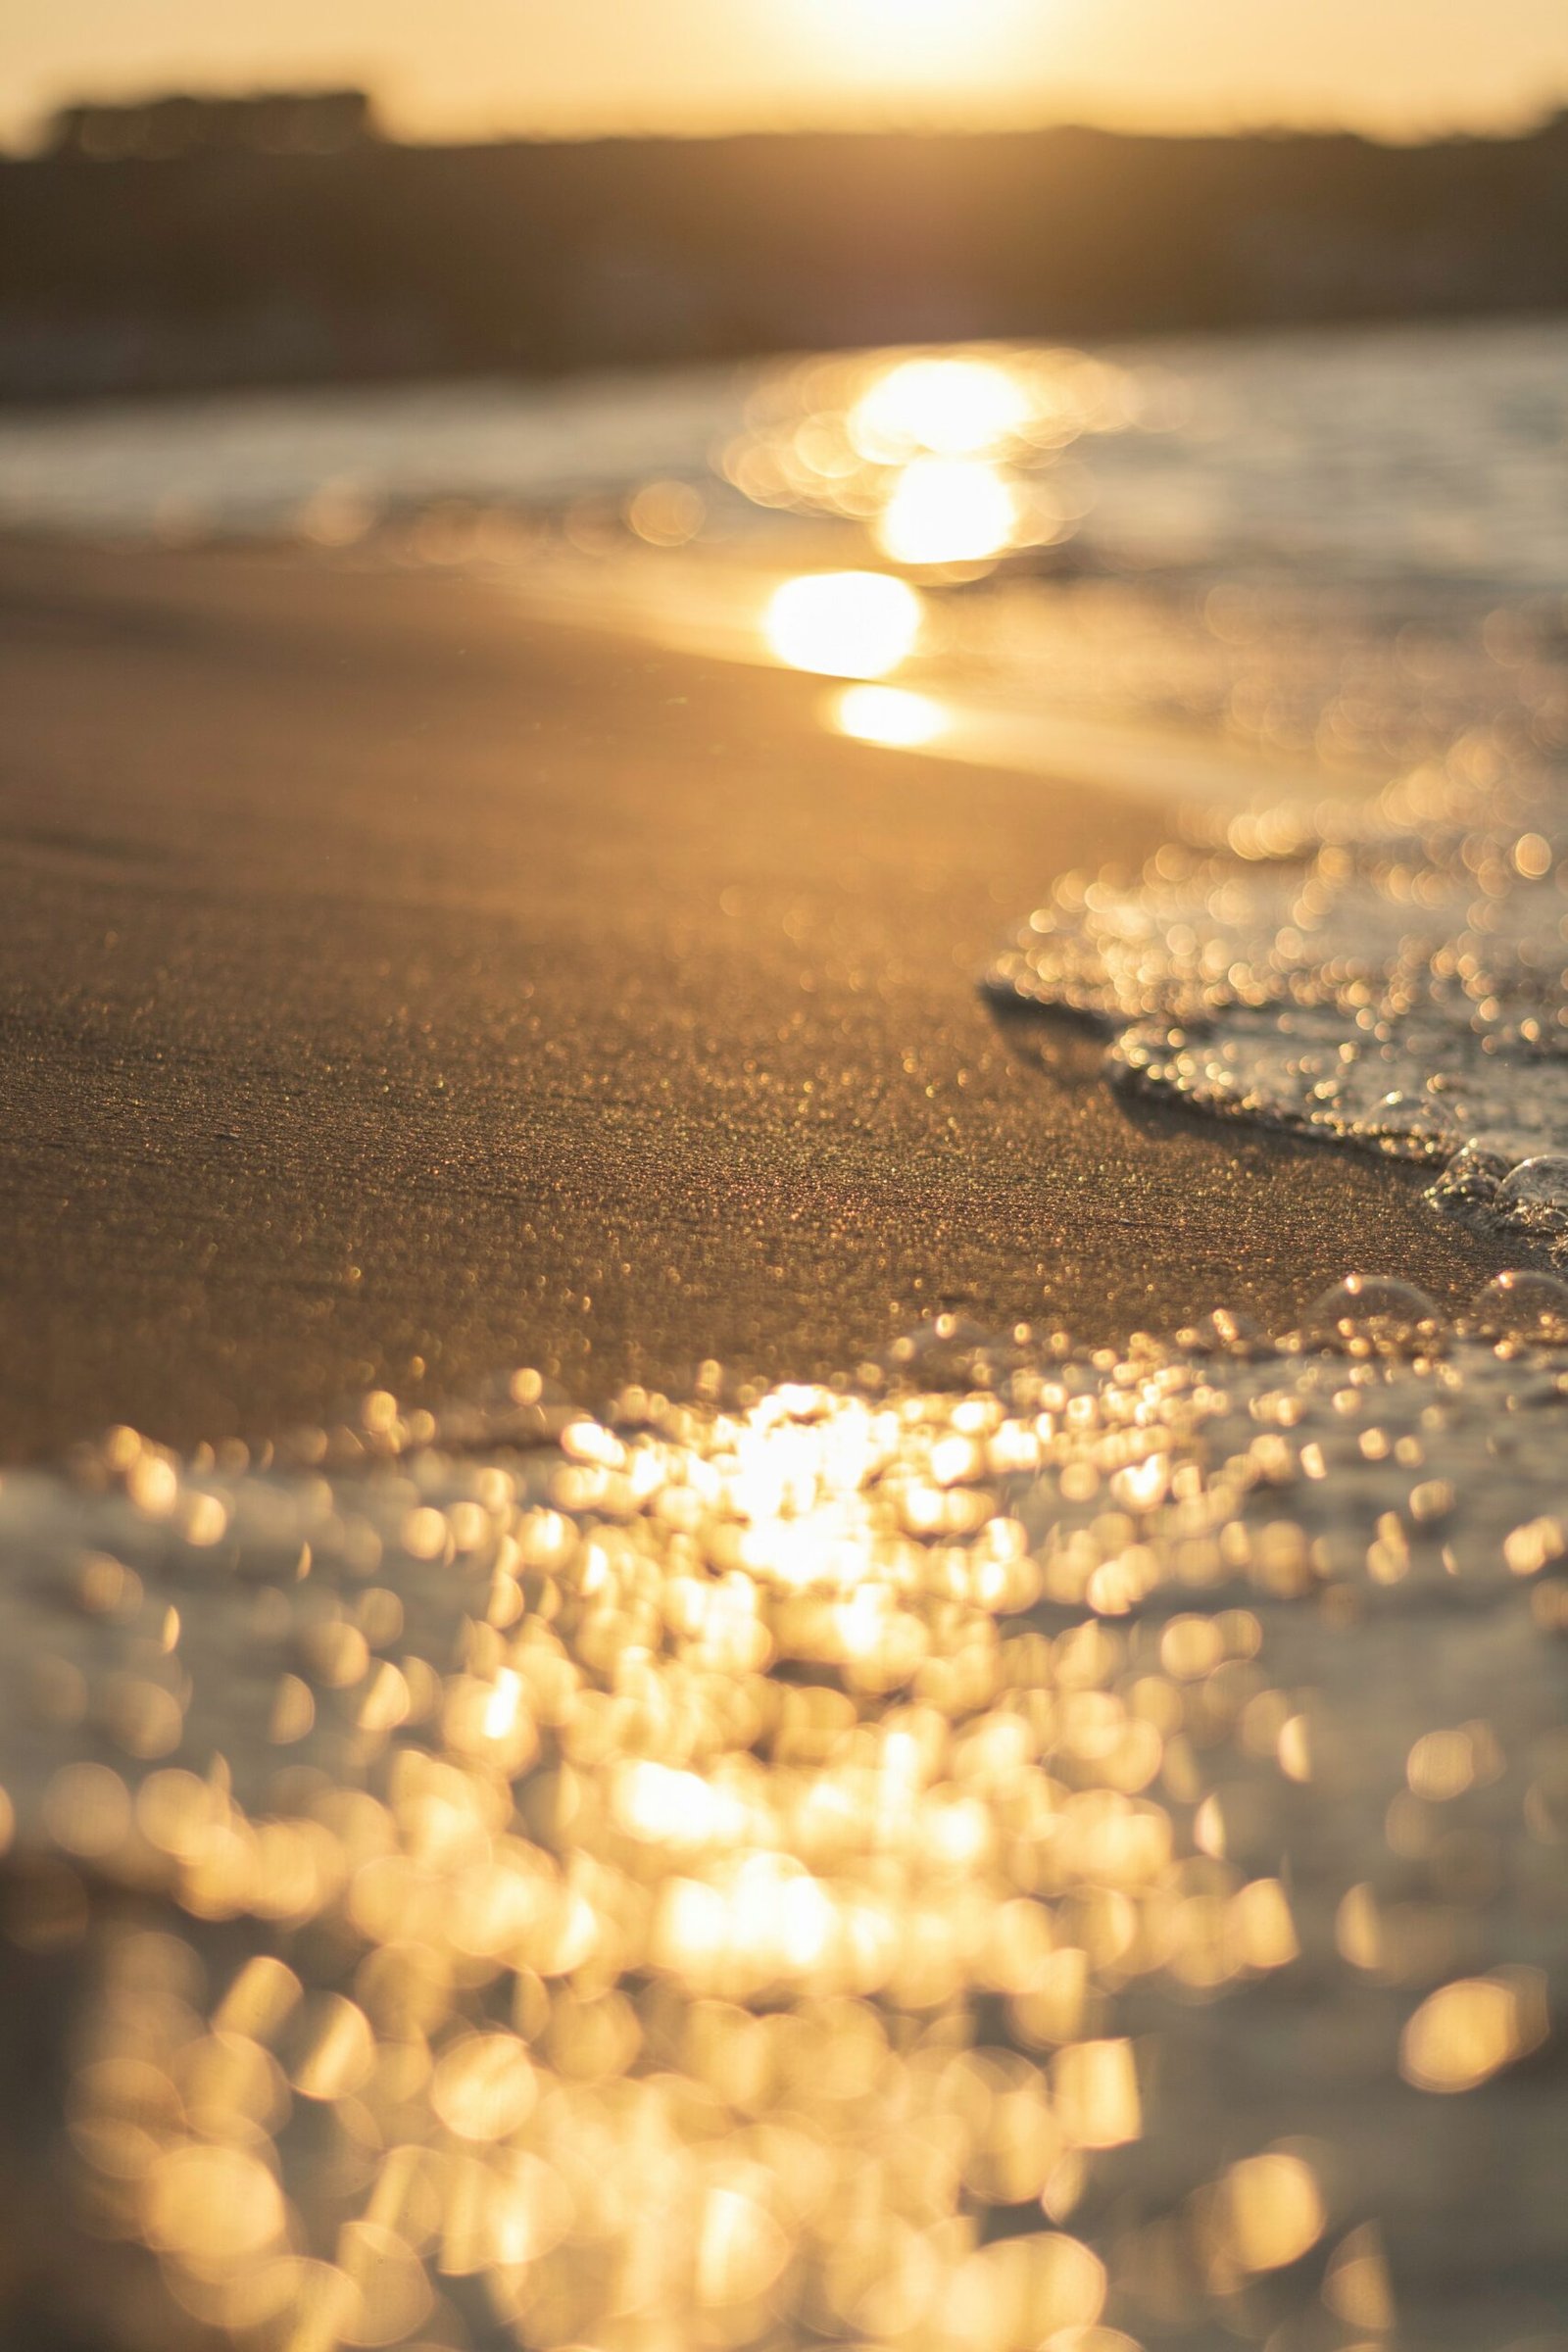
x: 268, y: 122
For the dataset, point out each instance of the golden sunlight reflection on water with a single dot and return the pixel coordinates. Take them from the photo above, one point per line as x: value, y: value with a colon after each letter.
x: 887, y: 714
x: 945, y: 461
x: 948, y: 408
x: 813, y: 1866
x: 949, y: 510
x: 844, y: 624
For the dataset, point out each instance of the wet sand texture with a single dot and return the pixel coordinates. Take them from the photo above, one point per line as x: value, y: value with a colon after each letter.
x: 395, y: 990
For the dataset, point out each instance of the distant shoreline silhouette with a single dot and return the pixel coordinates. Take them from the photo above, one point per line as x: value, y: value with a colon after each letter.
x: 191, y: 244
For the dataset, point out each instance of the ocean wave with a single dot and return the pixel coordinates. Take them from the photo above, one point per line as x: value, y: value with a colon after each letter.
x: 1400, y: 990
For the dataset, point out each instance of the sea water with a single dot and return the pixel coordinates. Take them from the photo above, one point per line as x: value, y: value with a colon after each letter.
x: 1402, y: 995
x: 1426, y: 452
x: 1032, y: 1848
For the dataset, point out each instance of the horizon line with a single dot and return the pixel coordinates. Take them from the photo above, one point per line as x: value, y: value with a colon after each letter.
x: 31, y: 141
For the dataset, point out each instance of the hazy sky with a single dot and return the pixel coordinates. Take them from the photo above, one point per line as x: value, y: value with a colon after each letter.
x: 470, y: 66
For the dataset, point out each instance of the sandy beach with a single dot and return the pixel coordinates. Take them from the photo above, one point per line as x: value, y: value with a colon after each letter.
x: 397, y: 990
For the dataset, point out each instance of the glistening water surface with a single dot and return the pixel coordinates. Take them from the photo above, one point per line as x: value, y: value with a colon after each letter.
x: 1035, y: 1850
x: 1419, y: 453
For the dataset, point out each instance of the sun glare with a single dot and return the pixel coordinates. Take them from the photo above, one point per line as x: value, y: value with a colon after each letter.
x: 911, y: 40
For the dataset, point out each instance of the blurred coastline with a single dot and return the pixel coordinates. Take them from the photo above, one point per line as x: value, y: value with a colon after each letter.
x: 191, y: 245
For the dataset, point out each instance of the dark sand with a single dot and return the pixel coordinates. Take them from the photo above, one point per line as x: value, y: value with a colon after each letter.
x: 395, y: 990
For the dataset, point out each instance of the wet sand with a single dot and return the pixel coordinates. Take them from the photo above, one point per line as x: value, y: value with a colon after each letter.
x: 394, y: 989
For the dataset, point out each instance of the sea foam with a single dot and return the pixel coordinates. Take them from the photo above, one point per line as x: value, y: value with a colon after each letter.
x: 1400, y: 990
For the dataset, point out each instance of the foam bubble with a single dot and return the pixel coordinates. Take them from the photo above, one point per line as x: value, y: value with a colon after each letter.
x: 1523, y: 1304
x: 1534, y: 1196
x: 1368, y: 1313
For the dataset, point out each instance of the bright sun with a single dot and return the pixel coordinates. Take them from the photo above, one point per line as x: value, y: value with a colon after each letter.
x: 901, y: 41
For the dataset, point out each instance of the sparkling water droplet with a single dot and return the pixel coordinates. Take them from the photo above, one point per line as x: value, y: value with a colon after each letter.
x: 1523, y: 1306
x: 1371, y: 1313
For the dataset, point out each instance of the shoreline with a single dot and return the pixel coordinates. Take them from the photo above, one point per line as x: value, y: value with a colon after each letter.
x: 398, y: 987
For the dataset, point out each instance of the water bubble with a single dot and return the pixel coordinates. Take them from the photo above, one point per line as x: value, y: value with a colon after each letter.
x: 943, y: 1351
x: 1523, y: 1306
x: 1535, y: 1196
x: 1420, y: 1124
x: 1471, y: 1178
x: 1373, y: 1314
x: 1222, y: 1334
